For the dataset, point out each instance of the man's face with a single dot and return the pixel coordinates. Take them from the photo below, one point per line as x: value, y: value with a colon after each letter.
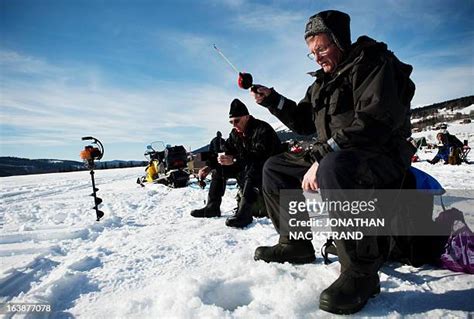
x: 239, y: 123
x: 326, y: 53
x: 440, y: 138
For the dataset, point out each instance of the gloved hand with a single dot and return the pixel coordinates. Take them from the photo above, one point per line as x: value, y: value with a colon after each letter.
x: 318, y: 151
x: 260, y: 93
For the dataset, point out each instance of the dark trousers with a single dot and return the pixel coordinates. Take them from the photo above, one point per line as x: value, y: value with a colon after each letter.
x: 282, y: 172
x: 443, y: 154
x: 337, y: 171
x: 249, y: 185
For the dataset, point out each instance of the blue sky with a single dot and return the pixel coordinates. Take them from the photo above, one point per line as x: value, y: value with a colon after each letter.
x: 132, y: 72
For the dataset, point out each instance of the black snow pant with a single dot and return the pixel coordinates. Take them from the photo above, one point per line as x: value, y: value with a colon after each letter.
x: 249, y: 185
x: 345, y: 169
x: 283, y: 172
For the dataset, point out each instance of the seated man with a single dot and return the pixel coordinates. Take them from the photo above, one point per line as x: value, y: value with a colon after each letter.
x: 443, y: 150
x: 359, y: 107
x: 448, y: 146
x: 251, y: 142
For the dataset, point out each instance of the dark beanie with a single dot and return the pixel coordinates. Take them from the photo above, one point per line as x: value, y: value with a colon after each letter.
x: 335, y: 23
x: 237, y: 109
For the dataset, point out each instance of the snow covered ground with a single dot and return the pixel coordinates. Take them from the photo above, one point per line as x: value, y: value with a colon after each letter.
x: 148, y: 258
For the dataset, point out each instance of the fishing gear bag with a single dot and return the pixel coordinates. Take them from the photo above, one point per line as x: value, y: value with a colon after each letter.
x: 458, y: 253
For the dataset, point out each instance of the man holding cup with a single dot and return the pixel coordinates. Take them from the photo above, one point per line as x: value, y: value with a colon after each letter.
x: 251, y: 142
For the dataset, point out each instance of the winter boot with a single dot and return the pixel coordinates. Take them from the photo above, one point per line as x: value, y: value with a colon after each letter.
x: 349, y: 293
x: 214, y: 199
x: 294, y: 252
x: 259, y: 209
x: 212, y: 209
x: 243, y: 216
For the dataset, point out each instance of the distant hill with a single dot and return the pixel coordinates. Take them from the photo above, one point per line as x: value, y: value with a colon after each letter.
x: 10, y: 166
x: 286, y: 135
x: 451, y: 110
x: 202, y: 149
x: 422, y: 117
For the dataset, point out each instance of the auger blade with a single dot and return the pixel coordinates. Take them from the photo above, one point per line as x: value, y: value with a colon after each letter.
x: 100, y: 214
x: 98, y: 200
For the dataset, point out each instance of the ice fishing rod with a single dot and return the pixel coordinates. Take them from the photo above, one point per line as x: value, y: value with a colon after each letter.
x: 245, y: 80
x: 90, y: 154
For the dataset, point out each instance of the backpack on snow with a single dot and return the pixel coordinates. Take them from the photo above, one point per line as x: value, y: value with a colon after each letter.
x: 458, y: 254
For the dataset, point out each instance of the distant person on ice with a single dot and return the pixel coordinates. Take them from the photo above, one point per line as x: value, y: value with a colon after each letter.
x: 448, y: 145
x: 359, y: 107
x: 251, y: 142
x: 215, y: 147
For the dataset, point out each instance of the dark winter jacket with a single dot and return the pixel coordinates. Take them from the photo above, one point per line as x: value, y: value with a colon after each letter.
x: 453, y: 141
x: 215, y: 146
x: 363, y: 105
x: 252, y: 148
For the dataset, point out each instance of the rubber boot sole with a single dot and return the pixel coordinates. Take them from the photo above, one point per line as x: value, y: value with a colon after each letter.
x: 348, y: 310
x: 237, y: 224
x: 295, y: 260
x: 198, y: 215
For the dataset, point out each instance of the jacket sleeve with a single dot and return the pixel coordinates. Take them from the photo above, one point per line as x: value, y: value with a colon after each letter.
x: 298, y: 117
x: 212, y: 159
x: 229, y: 146
x: 266, y: 144
x: 379, y: 113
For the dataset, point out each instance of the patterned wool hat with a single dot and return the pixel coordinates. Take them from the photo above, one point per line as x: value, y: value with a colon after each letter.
x: 335, y: 23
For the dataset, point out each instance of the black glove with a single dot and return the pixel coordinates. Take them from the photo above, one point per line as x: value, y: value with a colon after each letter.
x: 272, y: 100
x: 317, y: 152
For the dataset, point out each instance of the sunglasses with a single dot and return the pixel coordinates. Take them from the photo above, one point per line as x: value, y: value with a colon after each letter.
x: 234, y: 121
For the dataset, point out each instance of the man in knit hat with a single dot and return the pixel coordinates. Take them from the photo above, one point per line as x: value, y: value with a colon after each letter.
x: 251, y: 142
x: 359, y: 107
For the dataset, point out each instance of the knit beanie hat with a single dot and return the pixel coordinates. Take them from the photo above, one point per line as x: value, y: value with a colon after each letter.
x: 335, y: 23
x: 237, y: 109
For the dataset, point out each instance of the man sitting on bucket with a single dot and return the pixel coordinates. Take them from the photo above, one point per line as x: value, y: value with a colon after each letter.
x: 359, y: 107
x: 251, y: 142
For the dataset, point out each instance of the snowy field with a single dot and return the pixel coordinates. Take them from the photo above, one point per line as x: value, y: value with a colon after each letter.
x: 148, y: 258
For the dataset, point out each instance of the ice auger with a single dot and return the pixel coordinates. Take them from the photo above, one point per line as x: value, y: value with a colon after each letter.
x: 91, y: 153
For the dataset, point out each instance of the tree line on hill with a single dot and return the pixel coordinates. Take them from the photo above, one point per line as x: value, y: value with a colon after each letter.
x: 430, y: 115
x: 10, y: 166
x: 422, y: 117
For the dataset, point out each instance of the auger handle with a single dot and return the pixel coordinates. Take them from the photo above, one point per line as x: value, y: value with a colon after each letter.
x: 96, y: 141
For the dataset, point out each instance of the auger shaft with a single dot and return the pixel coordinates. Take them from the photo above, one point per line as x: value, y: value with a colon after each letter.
x: 97, y: 200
